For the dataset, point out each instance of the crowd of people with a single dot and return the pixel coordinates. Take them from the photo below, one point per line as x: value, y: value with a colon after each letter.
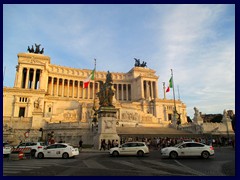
x: 108, y: 144
x: 161, y: 142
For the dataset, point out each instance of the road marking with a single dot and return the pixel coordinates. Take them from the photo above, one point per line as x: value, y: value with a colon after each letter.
x: 10, y: 172
x: 174, y: 167
x: 93, y: 164
x: 190, y: 169
x: 144, y: 168
x: 16, y: 166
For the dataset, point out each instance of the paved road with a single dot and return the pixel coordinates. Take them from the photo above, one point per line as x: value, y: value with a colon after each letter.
x: 101, y: 164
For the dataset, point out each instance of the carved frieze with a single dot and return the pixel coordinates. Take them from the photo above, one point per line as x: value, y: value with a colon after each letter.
x: 130, y: 116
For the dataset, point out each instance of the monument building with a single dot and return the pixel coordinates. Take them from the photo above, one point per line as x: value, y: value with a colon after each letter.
x: 50, y: 100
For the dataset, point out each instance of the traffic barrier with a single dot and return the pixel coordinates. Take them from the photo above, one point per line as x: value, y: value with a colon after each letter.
x: 20, y: 153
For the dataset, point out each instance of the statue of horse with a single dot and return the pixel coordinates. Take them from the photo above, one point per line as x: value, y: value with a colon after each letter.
x: 37, y: 50
x: 137, y: 62
x: 42, y: 51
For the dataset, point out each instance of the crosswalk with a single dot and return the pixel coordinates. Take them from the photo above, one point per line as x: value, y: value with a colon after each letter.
x: 151, y: 166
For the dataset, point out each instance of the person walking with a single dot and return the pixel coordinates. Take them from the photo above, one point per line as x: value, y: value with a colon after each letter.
x: 80, y: 145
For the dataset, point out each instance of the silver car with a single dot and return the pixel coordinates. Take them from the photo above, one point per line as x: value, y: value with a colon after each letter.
x: 188, y: 149
x: 130, y: 148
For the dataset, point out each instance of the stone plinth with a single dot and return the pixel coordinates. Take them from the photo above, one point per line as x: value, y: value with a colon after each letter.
x: 37, y: 119
x: 106, y: 126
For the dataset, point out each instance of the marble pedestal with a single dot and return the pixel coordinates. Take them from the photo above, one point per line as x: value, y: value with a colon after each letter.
x: 106, y: 126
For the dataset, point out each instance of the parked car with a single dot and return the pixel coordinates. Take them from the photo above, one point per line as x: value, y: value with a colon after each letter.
x: 58, y: 150
x: 33, y: 145
x: 188, y: 149
x: 130, y: 148
x: 7, y: 148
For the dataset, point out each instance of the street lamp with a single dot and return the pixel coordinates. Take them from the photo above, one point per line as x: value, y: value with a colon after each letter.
x: 40, y: 134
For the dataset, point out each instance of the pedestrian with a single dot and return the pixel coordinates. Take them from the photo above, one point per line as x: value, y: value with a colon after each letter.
x: 109, y: 145
x: 103, y: 143
x: 80, y: 145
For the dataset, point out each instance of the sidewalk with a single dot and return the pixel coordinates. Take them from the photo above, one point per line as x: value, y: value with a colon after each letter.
x: 92, y: 150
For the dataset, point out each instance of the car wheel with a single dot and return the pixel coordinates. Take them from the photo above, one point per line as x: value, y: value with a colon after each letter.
x: 40, y: 155
x: 115, y: 153
x: 140, y: 153
x: 65, y: 156
x: 173, y: 155
x: 205, y: 155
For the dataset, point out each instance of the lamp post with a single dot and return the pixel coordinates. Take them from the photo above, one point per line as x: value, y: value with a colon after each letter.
x: 40, y: 134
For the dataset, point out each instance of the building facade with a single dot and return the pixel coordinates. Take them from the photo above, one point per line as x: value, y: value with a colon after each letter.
x: 50, y: 98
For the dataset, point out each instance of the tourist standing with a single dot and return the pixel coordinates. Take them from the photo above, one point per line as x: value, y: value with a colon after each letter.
x: 80, y: 145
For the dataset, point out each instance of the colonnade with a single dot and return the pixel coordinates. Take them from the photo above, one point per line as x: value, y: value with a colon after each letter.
x: 62, y: 87
x: 29, y: 78
x: 149, y: 89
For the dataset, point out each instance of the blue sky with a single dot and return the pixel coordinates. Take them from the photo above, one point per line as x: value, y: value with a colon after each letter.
x: 197, y: 41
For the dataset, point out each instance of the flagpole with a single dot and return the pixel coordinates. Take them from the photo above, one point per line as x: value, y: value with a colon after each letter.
x: 94, y: 92
x: 178, y: 93
x: 164, y: 90
x: 174, y: 111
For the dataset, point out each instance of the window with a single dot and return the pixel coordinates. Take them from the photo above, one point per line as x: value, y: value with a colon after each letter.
x: 196, y: 145
x: 169, y: 117
x: 49, y: 109
x: 52, y: 147
x: 61, y: 146
x: 140, y: 144
x: 21, y: 112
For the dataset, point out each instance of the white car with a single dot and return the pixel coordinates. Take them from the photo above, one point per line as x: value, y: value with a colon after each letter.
x: 188, y: 149
x: 58, y: 150
x: 6, y: 149
x: 130, y: 148
x: 33, y: 145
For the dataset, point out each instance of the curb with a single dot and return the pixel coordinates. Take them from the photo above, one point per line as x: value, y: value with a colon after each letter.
x: 93, y: 151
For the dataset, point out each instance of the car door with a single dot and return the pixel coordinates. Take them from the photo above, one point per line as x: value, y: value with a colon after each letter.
x: 60, y: 149
x: 184, y: 150
x: 133, y: 148
x: 196, y: 149
x: 125, y: 149
x: 50, y: 151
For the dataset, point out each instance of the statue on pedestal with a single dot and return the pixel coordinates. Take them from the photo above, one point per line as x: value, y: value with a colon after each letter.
x: 106, y: 93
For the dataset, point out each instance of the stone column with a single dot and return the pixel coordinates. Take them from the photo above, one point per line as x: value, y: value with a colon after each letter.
x: 52, y: 86
x: 152, y: 94
x: 94, y: 84
x: 40, y: 79
x: 78, y: 89
x: 142, y: 89
x: 18, y: 76
x: 73, y: 86
x: 127, y: 92
x: 57, y: 86
x: 34, y: 78
x: 63, y: 82
x: 68, y: 87
x: 147, y: 90
x: 88, y: 91
x: 117, y: 92
x: 122, y: 92
x: 27, y: 78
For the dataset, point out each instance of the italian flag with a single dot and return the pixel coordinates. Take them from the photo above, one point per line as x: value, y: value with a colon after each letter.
x: 170, y: 85
x: 87, y: 81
